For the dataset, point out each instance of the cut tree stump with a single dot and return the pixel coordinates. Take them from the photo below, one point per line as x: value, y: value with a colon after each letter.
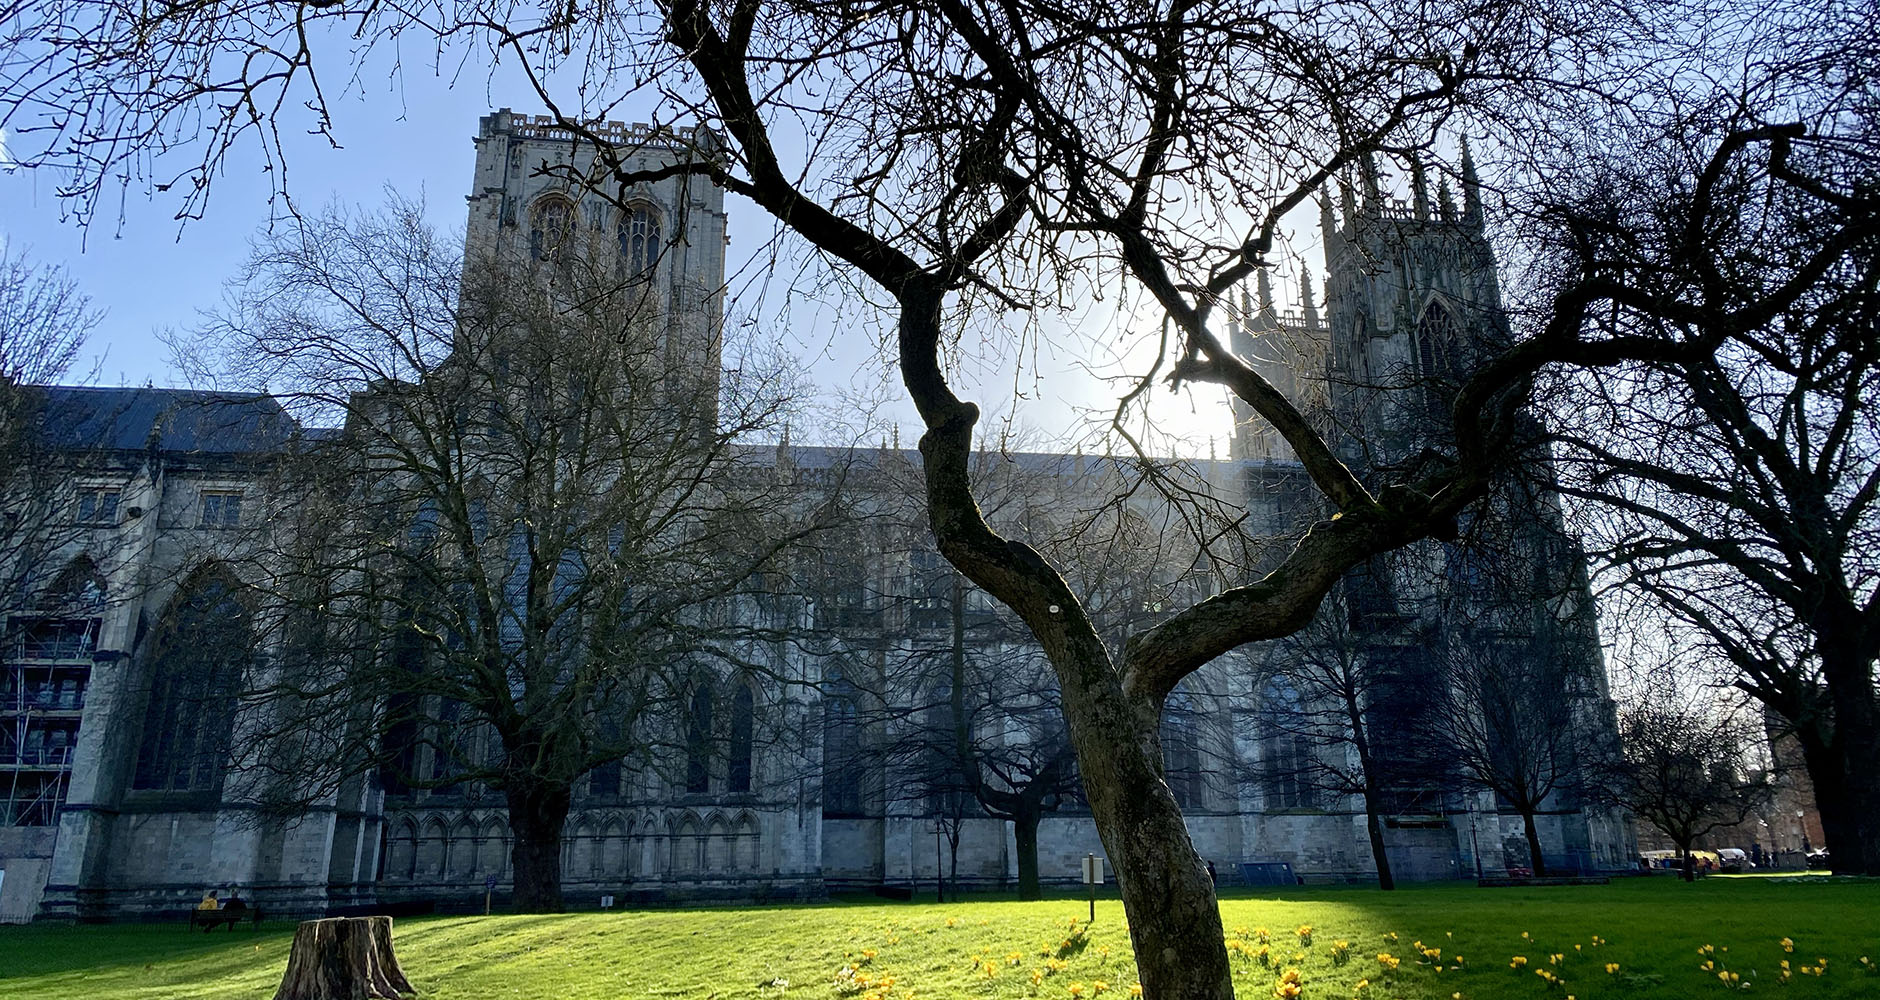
x: 343, y: 958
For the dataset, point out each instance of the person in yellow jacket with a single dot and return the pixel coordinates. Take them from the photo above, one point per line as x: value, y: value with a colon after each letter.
x: 209, y: 902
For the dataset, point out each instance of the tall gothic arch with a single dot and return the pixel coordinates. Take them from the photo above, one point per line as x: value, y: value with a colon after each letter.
x: 199, y: 654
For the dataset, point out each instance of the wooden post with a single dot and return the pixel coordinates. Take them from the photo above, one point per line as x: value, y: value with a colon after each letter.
x: 343, y: 958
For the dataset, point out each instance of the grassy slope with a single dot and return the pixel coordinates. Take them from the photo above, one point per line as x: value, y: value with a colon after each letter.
x: 1652, y: 928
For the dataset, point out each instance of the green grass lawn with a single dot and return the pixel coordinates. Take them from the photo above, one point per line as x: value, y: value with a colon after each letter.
x: 1652, y: 929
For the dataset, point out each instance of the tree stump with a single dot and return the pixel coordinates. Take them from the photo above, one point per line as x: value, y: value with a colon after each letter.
x: 343, y: 958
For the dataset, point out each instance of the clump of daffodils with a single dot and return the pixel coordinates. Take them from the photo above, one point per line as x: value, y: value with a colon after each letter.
x: 852, y: 980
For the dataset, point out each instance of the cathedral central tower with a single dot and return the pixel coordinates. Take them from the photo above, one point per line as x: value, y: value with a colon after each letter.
x: 545, y: 194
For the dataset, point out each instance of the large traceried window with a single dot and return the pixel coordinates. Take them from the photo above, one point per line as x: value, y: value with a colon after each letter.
x: 1288, y: 765
x: 638, y: 236
x: 551, y: 225
x: 939, y: 766
x: 843, y: 766
x: 930, y: 590
x: 738, y: 773
x: 1181, y: 751
x: 843, y: 595
x: 1439, y: 343
x: 198, y: 657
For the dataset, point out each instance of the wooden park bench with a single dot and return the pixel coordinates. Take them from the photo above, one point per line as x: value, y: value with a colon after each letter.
x: 227, y: 916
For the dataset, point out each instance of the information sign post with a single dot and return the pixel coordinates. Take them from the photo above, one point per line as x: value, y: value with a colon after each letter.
x: 1093, y: 877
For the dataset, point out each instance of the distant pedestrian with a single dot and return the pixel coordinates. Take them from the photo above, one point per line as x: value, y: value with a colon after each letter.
x: 1213, y: 878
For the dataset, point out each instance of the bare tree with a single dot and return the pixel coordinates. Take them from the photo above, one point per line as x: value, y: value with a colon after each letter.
x: 526, y: 546
x: 1319, y: 692
x: 965, y: 720
x: 1507, y: 729
x: 1055, y: 137
x: 1686, y: 766
x: 44, y: 320
x: 1733, y: 474
x: 982, y: 736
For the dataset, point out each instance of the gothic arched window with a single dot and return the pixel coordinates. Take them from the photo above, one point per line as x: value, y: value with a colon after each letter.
x: 1286, y: 747
x: 1439, y: 343
x: 738, y: 774
x: 698, y: 740
x: 197, y: 660
x: 1181, y: 750
x: 550, y: 226
x: 843, y: 766
x: 638, y: 235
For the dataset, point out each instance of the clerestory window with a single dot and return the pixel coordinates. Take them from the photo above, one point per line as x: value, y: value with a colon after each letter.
x: 221, y: 509
x: 98, y: 505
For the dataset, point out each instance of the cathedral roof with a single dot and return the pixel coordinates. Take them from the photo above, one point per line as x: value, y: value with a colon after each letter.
x: 170, y: 420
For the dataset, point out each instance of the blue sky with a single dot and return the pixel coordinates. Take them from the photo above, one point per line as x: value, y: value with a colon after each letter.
x: 411, y: 132
x: 151, y: 272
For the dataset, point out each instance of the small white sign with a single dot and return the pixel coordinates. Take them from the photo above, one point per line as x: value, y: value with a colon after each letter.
x: 607, y: 902
x: 1093, y: 870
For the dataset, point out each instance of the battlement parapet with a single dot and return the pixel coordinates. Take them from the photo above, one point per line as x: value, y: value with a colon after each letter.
x: 616, y: 133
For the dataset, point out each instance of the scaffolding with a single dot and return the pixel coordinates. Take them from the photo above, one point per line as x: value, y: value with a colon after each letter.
x: 43, y: 681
